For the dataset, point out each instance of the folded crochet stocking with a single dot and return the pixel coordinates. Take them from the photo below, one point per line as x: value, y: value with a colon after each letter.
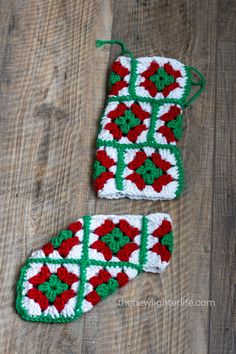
x: 89, y: 261
x: 136, y: 153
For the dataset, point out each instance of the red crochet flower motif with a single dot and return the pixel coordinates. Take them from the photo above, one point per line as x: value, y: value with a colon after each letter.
x: 172, y: 129
x: 160, y: 79
x: 116, y: 239
x: 127, y: 122
x: 161, y: 249
x: 104, y: 284
x: 150, y: 170
x: 52, y: 288
x: 117, y: 78
x: 101, y: 169
x: 64, y: 242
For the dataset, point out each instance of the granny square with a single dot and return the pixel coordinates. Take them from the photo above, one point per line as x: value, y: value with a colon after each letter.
x: 126, y: 122
x: 159, y: 78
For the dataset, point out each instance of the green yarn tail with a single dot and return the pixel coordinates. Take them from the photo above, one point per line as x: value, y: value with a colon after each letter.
x: 124, y: 50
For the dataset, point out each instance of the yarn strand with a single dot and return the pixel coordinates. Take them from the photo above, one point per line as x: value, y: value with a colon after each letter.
x: 201, y: 83
x: 124, y: 50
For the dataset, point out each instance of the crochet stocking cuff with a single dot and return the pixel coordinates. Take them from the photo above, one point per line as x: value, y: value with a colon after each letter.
x: 89, y: 261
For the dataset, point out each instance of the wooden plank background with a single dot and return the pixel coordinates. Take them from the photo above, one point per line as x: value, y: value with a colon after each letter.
x: 53, y: 86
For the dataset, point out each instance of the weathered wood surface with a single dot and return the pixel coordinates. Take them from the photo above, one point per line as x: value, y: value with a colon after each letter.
x: 53, y: 86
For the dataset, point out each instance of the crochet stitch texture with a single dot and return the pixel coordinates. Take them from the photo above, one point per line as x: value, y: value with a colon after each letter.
x: 136, y: 154
x: 89, y: 261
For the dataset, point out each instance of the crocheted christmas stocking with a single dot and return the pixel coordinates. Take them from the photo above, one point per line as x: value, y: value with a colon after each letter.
x: 89, y: 261
x: 136, y: 153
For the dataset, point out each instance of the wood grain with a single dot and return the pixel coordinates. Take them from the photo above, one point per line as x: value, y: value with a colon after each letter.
x: 222, y: 320
x: 53, y: 88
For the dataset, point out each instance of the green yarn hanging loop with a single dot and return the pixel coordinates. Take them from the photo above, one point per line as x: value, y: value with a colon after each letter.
x: 201, y: 83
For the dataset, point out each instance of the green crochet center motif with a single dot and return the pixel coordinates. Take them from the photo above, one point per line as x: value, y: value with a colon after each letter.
x: 53, y: 287
x: 168, y: 241
x: 127, y: 121
x: 63, y: 235
x: 162, y: 79
x: 98, y: 169
x: 114, y: 78
x: 104, y: 290
x: 115, y: 240
x: 149, y: 172
x: 176, y: 125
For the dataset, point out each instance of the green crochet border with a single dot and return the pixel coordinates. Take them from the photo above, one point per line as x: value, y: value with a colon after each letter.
x: 83, y: 263
x: 143, y: 245
x: 121, y: 165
